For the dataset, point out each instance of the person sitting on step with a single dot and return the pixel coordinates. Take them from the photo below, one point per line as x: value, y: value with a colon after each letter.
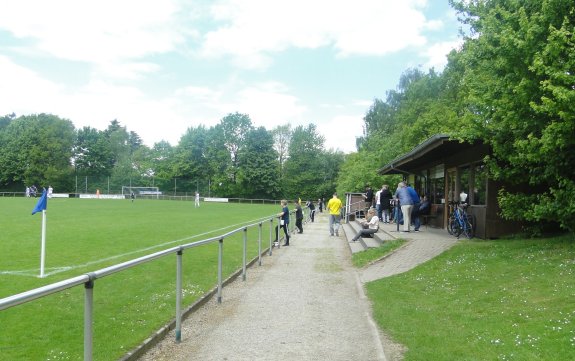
x: 369, y: 226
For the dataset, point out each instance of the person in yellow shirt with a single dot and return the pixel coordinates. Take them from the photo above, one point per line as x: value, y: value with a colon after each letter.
x: 334, y: 207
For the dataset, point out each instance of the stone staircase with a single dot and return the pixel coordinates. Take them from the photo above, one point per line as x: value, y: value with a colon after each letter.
x: 351, y: 228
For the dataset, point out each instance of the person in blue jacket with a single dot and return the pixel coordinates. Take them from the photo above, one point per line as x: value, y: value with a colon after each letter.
x: 406, y: 203
x: 415, y: 209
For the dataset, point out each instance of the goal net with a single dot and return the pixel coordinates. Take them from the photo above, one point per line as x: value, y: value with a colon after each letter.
x: 141, y: 191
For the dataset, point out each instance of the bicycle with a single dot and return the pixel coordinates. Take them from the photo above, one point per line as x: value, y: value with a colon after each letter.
x: 460, y: 221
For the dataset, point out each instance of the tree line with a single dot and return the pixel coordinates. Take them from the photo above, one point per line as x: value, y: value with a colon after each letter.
x: 232, y: 159
x: 512, y: 86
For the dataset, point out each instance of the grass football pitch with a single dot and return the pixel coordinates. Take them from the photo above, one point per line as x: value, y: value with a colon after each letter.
x: 84, y: 235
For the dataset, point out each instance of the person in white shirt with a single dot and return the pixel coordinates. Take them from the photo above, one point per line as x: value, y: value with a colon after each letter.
x: 369, y: 226
x: 378, y: 204
x: 197, y: 199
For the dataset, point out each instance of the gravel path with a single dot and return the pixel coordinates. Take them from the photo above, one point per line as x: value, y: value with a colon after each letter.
x: 305, y: 302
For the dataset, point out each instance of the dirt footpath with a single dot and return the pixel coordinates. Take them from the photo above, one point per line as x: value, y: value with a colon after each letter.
x: 305, y: 302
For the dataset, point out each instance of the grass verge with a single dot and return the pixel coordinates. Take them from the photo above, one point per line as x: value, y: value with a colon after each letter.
x: 492, y: 300
x: 361, y: 259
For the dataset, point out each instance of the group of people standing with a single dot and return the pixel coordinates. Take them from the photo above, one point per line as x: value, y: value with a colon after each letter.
x: 403, y: 207
x: 333, y: 206
x: 409, y: 203
x: 378, y: 206
x: 284, y: 218
x: 32, y: 191
x: 383, y: 199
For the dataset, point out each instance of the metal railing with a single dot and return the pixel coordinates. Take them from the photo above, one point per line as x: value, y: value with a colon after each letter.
x: 89, y: 279
x: 356, y: 209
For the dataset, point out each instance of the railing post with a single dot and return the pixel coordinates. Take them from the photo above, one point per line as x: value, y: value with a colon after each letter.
x: 271, y: 235
x: 220, y: 261
x: 397, y: 211
x: 88, y: 319
x: 244, y: 256
x: 278, y: 232
x: 179, y: 296
x: 260, y: 244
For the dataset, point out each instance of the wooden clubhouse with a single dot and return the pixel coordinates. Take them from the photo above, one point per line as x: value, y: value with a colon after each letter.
x: 442, y: 168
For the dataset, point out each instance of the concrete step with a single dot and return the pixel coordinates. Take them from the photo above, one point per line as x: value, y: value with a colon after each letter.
x: 370, y: 242
x: 380, y: 236
x: 350, y: 229
x: 349, y: 232
x: 356, y: 247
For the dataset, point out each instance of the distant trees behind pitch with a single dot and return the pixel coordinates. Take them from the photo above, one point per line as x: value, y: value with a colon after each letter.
x: 232, y: 159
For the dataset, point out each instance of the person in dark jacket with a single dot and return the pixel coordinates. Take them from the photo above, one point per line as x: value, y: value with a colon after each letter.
x: 283, y: 222
x: 311, y: 208
x: 298, y: 216
x: 385, y: 197
x: 415, y: 210
x: 425, y: 207
x: 368, y: 198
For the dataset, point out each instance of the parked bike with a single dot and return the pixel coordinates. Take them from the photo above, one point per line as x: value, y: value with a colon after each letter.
x: 460, y: 221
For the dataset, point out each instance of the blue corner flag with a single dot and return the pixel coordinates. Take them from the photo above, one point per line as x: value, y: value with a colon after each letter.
x: 42, y: 203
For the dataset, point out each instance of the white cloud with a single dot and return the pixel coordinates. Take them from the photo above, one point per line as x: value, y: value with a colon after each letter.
x: 340, y: 132
x: 203, y: 94
x: 251, y: 29
x: 437, y: 54
x: 269, y: 104
x: 106, y: 32
x: 24, y: 91
x: 121, y: 46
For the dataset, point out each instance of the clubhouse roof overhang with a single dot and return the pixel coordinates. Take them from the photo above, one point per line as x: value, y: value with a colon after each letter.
x: 432, y: 151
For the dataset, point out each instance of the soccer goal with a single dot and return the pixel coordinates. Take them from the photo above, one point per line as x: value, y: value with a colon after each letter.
x: 141, y: 191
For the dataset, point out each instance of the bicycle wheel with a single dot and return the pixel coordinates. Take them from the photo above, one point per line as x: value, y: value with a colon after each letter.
x: 468, y: 229
x: 454, y: 228
x: 450, y: 224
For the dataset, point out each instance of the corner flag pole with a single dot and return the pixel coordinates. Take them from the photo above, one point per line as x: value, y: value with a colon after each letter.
x: 43, y: 252
x: 41, y: 207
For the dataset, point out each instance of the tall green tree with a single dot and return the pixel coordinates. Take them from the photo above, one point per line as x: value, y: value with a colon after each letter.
x: 422, y: 105
x: 92, y: 153
x: 189, y: 159
x: 330, y: 165
x: 122, y: 145
x: 520, y: 71
x: 303, y: 168
x: 234, y: 128
x: 143, y: 165
x: 282, y: 137
x: 37, y: 149
x: 357, y: 171
x: 162, y: 159
x: 258, y: 175
x: 5, y: 120
x: 118, y: 138
x: 220, y: 167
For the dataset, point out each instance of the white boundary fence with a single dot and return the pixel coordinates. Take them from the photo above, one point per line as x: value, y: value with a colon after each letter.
x: 89, y: 279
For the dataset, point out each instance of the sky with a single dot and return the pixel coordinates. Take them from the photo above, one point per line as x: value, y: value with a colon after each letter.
x: 161, y: 67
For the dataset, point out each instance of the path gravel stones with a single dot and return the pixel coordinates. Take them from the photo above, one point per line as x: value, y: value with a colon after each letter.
x: 306, y: 302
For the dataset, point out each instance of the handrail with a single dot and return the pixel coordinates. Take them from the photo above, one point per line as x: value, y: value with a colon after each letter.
x: 88, y: 279
x: 132, y: 263
x: 36, y: 293
x: 348, y: 210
